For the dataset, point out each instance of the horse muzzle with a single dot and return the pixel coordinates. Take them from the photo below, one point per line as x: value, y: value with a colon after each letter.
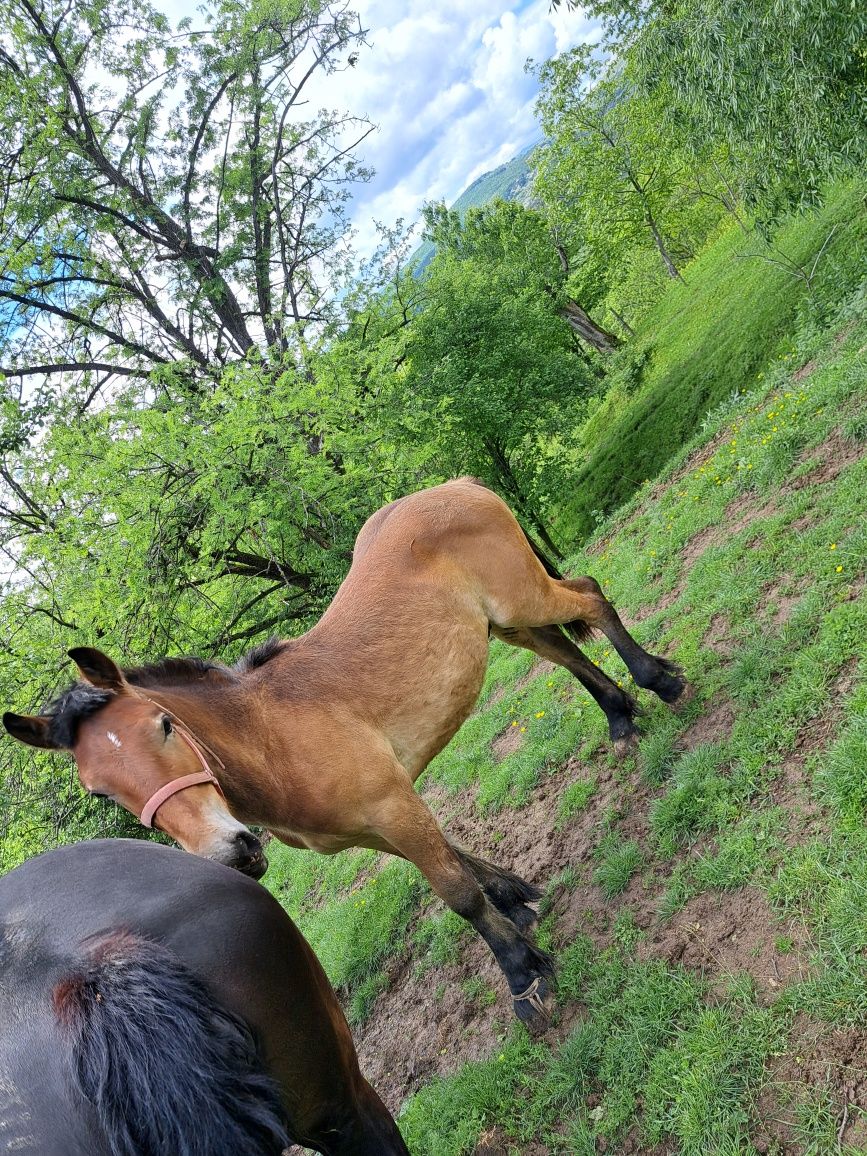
x: 247, y: 855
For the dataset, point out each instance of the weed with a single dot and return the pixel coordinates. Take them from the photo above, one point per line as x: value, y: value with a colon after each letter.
x: 575, y: 798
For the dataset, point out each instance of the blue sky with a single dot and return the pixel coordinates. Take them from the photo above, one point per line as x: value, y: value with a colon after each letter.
x: 444, y: 82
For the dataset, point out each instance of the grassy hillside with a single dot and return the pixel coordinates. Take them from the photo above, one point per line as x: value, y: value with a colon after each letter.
x: 709, y: 337
x: 705, y: 900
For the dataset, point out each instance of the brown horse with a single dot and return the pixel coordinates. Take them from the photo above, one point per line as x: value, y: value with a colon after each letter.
x: 321, y: 738
x: 155, y: 1004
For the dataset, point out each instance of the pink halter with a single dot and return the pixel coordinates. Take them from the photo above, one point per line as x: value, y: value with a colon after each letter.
x: 205, y: 775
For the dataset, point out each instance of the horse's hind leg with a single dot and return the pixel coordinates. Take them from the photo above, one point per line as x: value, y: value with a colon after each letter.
x: 619, y: 707
x: 405, y: 823
x: 552, y: 601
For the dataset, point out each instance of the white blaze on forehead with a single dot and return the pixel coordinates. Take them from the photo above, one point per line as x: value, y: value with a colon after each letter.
x: 113, y: 739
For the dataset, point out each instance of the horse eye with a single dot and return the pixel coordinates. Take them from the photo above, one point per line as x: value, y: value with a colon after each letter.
x: 167, y: 725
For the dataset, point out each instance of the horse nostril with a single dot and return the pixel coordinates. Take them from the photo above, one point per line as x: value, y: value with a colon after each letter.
x: 246, y: 843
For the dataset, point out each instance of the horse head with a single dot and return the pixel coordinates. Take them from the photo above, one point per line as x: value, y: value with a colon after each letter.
x: 130, y: 748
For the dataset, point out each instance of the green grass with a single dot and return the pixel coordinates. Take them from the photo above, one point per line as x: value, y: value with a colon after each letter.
x: 618, y: 862
x: 648, y: 1039
x: 707, y: 339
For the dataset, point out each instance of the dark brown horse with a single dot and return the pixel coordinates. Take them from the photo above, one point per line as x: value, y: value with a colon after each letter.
x: 321, y: 738
x: 155, y: 1004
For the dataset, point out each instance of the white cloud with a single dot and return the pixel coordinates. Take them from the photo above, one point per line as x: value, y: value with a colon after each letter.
x: 444, y: 82
x: 447, y: 88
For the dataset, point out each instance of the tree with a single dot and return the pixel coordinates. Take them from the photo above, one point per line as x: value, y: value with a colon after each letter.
x: 606, y: 164
x: 175, y: 472
x: 782, y: 87
x: 183, y: 211
x: 492, y: 374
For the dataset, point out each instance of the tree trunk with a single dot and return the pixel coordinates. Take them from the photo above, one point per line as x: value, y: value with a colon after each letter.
x: 670, y: 266
x: 626, y: 326
x: 510, y: 484
x: 585, y: 327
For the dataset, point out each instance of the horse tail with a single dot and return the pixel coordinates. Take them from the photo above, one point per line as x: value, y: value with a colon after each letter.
x: 578, y: 629
x: 167, y: 1069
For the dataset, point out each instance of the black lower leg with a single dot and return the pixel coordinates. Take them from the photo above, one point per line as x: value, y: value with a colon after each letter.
x: 649, y: 671
x: 509, y: 893
x: 529, y: 971
x: 619, y: 707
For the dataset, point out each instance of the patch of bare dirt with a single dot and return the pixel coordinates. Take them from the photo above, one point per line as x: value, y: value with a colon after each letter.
x: 780, y: 598
x: 792, y: 789
x: 719, y: 636
x: 739, y: 513
x: 540, y: 667
x: 827, y: 460
x: 507, y: 742
x: 698, y: 544
x: 827, y: 1059
x: 714, y: 726
x: 805, y: 370
x: 658, y: 604
x: 633, y: 1145
x: 495, y: 1142
x: 424, y: 1024
x: 722, y: 933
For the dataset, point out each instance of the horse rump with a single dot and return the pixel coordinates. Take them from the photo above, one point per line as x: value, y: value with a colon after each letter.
x: 167, y: 1069
x: 578, y: 630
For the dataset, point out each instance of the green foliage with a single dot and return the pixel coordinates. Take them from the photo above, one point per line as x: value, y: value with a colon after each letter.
x: 782, y: 85
x: 698, y: 799
x: 609, y: 173
x: 438, y: 939
x: 492, y: 370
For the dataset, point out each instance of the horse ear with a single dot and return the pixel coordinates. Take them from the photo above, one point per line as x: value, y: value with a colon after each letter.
x: 32, y: 729
x: 97, y: 668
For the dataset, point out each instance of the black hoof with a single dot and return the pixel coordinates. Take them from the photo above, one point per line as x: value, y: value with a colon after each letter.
x: 668, y: 682
x: 533, y: 1006
x: 627, y: 745
x: 686, y: 695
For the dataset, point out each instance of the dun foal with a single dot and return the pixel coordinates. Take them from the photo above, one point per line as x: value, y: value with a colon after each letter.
x: 321, y: 738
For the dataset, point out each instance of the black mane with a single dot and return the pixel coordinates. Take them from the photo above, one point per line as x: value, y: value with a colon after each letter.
x: 173, y: 672
x: 67, y: 710
x: 77, y: 702
x: 166, y: 1068
x: 260, y: 654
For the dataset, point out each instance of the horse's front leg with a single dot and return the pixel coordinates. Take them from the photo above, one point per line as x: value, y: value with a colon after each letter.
x: 406, y: 824
x: 509, y: 893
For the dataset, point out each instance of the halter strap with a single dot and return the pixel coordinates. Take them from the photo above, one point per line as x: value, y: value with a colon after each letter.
x: 205, y: 775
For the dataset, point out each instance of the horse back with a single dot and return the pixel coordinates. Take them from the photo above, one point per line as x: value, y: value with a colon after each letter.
x: 223, y: 928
